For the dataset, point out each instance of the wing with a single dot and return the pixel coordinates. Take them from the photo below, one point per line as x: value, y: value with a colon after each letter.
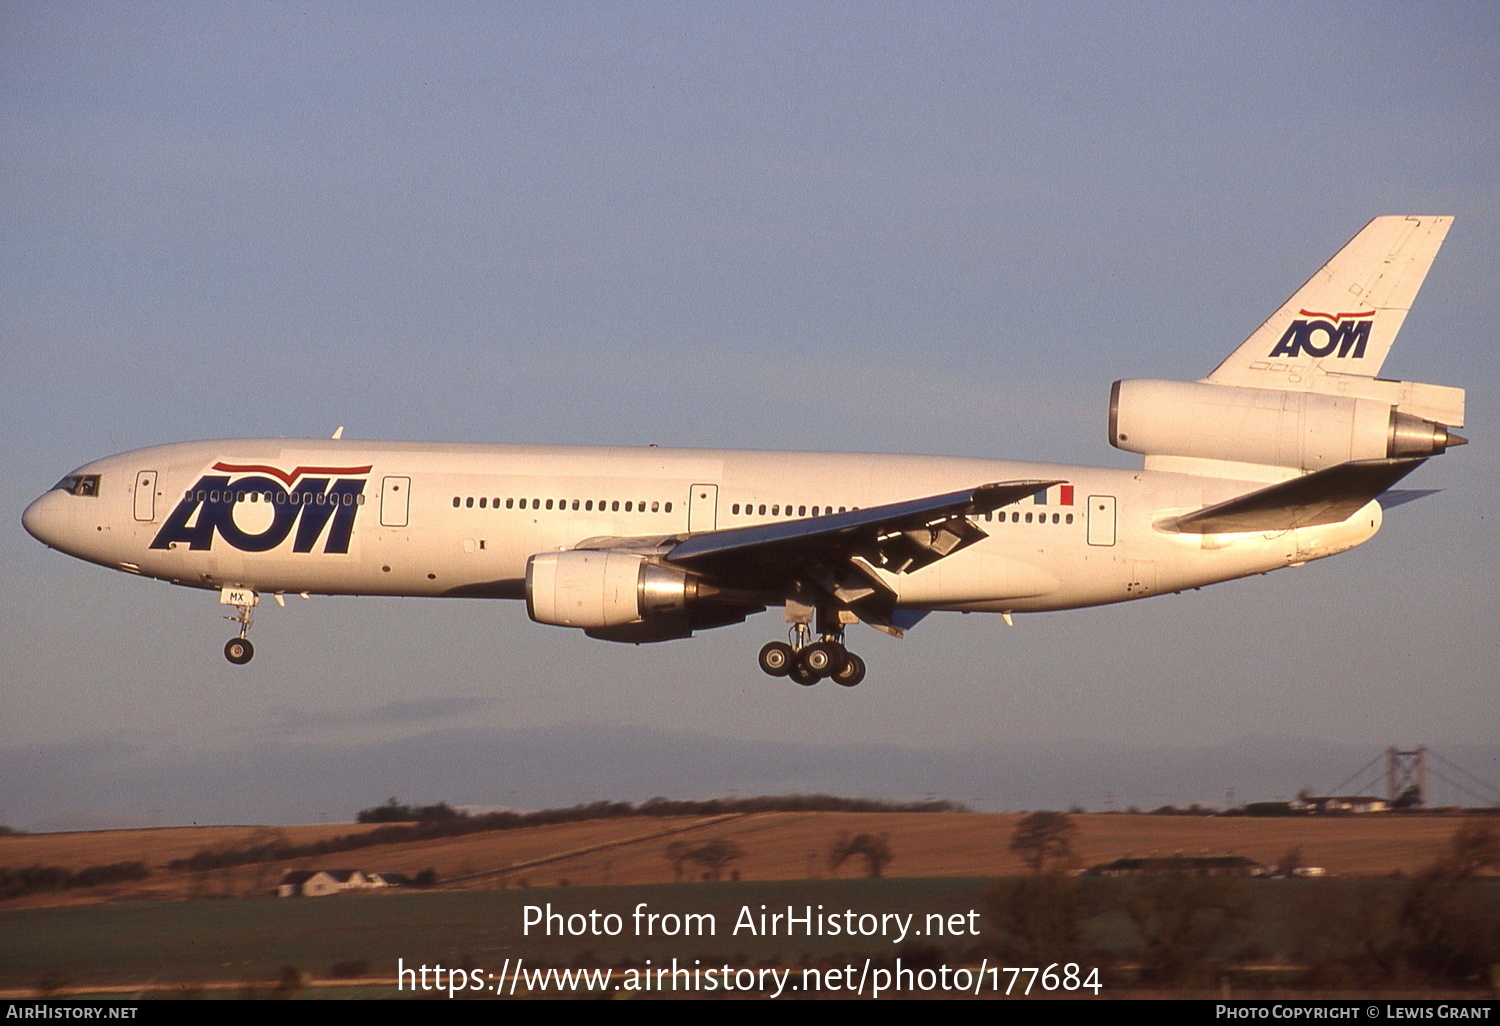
x: 900, y: 537
x: 828, y: 564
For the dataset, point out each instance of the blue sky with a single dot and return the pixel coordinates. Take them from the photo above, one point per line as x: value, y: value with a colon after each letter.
x: 890, y: 227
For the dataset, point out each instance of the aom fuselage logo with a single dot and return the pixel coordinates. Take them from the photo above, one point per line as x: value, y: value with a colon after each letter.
x: 255, y: 508
x: 1326, y: 334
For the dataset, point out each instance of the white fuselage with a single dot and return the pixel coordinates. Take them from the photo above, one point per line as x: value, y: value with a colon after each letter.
x: 424, y: 519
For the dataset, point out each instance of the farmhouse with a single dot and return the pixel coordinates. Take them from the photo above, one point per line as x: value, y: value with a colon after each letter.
x: 319, y: 883
x: 1338, y: 804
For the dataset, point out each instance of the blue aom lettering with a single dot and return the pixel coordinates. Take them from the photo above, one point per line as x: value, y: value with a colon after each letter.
x: 1320, y: 338
x: 315, y: 506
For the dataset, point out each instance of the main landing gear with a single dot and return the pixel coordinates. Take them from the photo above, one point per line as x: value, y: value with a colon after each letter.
x: 808, y: 662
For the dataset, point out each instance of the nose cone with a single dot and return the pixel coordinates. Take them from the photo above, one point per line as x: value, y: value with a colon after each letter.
x: 43, y: 519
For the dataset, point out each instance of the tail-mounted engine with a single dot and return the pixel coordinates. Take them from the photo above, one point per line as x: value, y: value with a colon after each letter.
x: 1306, y: 430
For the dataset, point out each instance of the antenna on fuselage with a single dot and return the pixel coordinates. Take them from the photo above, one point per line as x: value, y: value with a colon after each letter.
x: 338, y: 432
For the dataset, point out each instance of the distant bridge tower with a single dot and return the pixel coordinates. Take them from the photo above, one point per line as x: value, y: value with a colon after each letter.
x: 1406, y: 770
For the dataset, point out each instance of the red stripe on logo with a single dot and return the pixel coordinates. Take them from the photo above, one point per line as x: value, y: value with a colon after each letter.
x: 1337, y: 317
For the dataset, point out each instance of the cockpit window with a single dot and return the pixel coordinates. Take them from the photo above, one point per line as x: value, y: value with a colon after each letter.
x: 79, y: 484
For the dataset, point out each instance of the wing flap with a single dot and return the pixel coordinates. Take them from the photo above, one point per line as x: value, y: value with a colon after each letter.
x: 1328, y: 496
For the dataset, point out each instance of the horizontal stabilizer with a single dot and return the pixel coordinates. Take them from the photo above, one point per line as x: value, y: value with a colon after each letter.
x: 1328, y: 496
x: 1401, y: 496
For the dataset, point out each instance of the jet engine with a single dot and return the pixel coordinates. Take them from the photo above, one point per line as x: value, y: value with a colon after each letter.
x: 1305, y: 430
x: 621, y: 596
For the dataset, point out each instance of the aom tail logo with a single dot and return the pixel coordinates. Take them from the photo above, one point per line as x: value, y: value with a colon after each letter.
x: 255, y: 508
x: 1326, y: 334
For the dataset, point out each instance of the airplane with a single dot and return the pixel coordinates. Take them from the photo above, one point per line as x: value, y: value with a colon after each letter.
x: 1276, y: 458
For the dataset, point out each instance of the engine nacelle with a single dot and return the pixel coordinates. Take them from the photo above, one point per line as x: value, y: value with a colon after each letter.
x: 1305, y: 430
x: 604, y: 590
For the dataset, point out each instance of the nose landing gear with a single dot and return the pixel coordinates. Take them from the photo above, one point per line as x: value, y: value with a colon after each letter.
x: 238, y: 650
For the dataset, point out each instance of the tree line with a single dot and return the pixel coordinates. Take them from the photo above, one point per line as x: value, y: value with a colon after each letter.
x: 400, y: 823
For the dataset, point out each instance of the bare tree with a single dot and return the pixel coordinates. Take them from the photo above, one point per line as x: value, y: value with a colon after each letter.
x: 1474, y: 846
x: 1042, y: 836
x: 678, y: 853
x: 875, y: 849
x: 715, y: 856
x: 1032, y: 916
x: 1182, y: 923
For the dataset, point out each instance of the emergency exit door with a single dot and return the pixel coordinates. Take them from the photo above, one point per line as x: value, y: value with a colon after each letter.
x: 1101, y: 519
x: 703, y: 507
x: 395, y: 501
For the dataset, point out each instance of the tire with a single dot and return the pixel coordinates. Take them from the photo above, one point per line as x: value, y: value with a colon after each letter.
x: 823, y: 658
x: 802, y: 675
x: 239, y: 651
x: 852, y: 672
x: 776, y: 659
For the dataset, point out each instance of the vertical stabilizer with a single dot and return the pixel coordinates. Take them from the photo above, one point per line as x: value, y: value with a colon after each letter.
x: 1344, y: 320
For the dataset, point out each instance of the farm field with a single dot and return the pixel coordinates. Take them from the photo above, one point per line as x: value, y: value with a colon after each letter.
x: 776, y: 846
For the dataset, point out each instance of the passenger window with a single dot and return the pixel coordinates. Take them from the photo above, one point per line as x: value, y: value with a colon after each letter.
x: 776, y: 510
x: 763, y: 509
x: 735, y: 508
x: 614, y: 506
x: 589, y: 506
x: 668, y: 508
x: 549, y: 503
x: 1028, y: 518
x: 655, y: 506
x: 627, y: 506
x: 510, y: 503
x: 1056, y: 518
x: 1070, y: 518
x: 483, y: 503
x: 802, y: 511
x: 575, y: 503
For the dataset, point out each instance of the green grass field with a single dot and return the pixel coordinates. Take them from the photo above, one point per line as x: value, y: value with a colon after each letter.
x: 1176, y: 932
x: 255, y: 939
